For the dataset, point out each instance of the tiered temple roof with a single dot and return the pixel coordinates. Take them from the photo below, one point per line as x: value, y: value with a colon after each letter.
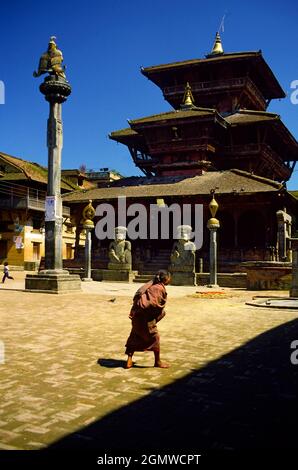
x: 221, y: 124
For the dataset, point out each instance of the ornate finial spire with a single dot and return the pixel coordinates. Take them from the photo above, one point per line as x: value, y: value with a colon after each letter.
x: 217, y: 46
x: 88, y: 215
x: 213, y: 223
x: 213, y: 206
x: 188, y: 99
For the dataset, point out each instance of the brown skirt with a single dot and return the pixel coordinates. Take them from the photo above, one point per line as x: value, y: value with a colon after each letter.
x: 143, y: 336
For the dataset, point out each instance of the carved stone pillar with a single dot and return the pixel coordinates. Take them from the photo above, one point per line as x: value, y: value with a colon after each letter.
x: 56, y: 89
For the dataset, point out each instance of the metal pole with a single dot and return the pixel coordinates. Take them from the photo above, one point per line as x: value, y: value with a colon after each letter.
x: 88, y: 225
x: 88, y: 244
x: 213, y: 257
x: 213, y: 225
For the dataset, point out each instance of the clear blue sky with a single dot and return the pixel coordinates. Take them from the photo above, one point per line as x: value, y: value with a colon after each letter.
x: 104, y: 43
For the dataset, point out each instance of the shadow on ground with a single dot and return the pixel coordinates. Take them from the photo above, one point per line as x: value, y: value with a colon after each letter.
x: 247, y: 399
x: 113, y: 363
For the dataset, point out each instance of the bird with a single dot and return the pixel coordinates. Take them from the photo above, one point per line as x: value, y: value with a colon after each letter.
x: 112, y: 300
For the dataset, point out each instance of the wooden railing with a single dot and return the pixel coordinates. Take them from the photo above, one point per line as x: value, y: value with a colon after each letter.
x: 217, y: 85
x: 16, y: 196
x: 250, y: 149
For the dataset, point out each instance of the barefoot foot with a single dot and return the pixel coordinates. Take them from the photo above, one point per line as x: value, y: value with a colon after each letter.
x: 162, y: 365
x: 129, y: 363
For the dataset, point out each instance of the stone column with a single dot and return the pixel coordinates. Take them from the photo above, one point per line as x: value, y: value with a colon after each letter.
x: 56, y: 89
x: 213, y: 225
x: 53, y: 218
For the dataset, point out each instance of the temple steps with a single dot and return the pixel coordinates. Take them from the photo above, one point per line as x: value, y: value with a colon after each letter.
x: 235, y: 280
x: 161, y: 260
x: 142, y: 278
x: 146, y: 275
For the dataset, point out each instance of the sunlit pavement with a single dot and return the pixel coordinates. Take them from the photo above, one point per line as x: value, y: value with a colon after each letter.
x: 64, y: 354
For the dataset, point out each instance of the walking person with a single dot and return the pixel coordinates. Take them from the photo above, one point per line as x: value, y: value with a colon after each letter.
x: 147, y: 310
x: 6, y: 272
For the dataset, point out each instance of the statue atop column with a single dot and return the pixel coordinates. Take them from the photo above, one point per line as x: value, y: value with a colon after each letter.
x: 55, y: 87
x: 182, y: 264
x: 51, y: 61
x: 120, y: 251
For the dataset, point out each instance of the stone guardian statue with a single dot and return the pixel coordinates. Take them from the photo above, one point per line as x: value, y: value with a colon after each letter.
x: 120, y: 250
x: 182, y: 264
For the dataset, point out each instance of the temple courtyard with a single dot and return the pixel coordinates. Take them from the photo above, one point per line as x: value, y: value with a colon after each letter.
x: 231, y: 384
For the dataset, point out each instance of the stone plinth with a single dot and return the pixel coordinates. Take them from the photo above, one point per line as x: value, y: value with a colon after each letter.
x: 183, y: 278
x: 53, y: 283
x: 224, y: 279
x: 268, y: 275
x: 119, y: 266
x: 113, y: 275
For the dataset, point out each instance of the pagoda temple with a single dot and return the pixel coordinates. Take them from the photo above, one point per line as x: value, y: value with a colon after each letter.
x: 219, y: 137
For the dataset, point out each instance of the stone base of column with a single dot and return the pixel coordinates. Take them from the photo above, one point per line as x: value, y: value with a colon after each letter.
x: 87, y: 279
x: 183, y: 278
x: 53, y: 282
x: 213, y: 286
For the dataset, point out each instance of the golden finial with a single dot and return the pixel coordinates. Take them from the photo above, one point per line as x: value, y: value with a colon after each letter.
x: 188, y: 99
x: 88, y: 214
x: 213, y: 207
x: 217, y: 46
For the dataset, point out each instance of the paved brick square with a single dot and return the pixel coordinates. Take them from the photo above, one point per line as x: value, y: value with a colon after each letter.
x: 63, y: 382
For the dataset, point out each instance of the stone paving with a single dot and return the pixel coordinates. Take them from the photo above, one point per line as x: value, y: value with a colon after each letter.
x: 64, y: 357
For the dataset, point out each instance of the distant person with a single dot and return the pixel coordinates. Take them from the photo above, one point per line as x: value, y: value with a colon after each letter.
x: 6, y: 272
x: 147, y: 310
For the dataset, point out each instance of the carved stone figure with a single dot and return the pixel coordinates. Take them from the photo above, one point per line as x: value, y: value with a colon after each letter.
x: 51, y: 61
x: 183, y: 251
x: 284, y: 224
x: 120, y: 250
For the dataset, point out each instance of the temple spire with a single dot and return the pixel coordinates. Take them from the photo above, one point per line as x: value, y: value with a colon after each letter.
x: 188, y: 99
x: 217, y: 46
